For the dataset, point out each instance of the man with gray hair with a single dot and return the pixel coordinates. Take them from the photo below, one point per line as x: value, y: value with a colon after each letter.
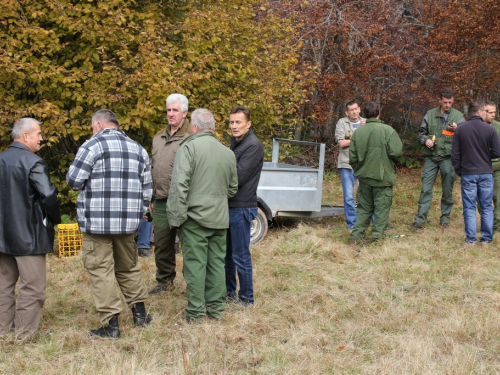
x: 165, y: 145
x: 203, y: 179
x: 114, y: 178
x: 29, y: 210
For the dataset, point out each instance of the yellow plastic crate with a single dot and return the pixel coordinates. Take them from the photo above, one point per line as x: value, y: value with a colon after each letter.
x: 70, y: 240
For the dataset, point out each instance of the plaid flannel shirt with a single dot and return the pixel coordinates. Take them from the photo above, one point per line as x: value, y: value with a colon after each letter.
x: 114, y: 176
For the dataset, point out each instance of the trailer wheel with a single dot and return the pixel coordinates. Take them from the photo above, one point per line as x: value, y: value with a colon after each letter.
x: 259, y: 227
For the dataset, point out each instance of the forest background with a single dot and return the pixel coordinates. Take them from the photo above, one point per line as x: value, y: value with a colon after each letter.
x: 292, y: 63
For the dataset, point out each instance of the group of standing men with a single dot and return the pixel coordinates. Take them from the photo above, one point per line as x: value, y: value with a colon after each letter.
x: 188, y: 197
x: 195, y: 186
x: 469, y: 150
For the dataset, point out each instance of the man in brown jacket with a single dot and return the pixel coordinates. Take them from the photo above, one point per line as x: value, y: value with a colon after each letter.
x: 165, y: 145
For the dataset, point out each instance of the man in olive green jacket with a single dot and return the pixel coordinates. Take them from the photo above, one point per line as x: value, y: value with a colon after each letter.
x: 203, y: 180
x: 436, y: 135
x: 371, y: 152
x: 165, y: 145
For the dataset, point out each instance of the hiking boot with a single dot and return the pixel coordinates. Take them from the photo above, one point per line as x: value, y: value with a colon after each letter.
x: 161, y: 288
x: 112, y: 330
x: 144, y: 253
x: 141, y: 317
x: 417, y: 225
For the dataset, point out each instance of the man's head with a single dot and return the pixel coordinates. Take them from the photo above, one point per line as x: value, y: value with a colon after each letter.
x: 239, y: 122
x: 103, y: 119
x: 177, y: 108
x: 446, y: 98
x: 476, y: 107
x: 202, y: 120
x: 371, y: 110
x: 490, y: 112
x: 352, y: 110
x: 27, y: 131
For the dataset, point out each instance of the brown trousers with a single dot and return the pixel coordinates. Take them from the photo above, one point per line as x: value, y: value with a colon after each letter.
x: 22, y: 319
x: 109, y: 257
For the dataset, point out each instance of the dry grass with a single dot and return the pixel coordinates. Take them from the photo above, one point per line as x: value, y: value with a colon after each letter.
x: 420, y: 303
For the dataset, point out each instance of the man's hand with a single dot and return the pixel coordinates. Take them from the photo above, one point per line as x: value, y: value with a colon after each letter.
x: 345, y: 143
x: 452, y: 127
x: 429, y: 143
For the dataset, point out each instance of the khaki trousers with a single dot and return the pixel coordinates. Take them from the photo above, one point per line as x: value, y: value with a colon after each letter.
x: 22, y: 319
x: 108, y: 258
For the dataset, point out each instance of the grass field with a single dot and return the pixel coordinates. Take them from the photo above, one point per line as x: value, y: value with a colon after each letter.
x: 419, y: 303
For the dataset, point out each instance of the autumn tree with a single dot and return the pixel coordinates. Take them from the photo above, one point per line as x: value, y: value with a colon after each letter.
x: 400, y: 53
x: 60, y: 61
x: 462, y: 42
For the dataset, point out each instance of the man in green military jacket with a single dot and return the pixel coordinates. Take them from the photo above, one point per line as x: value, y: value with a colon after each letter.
x: 203, y: 179
x: 490, y: 110
x: 436, y: 135
x: 372, y: 151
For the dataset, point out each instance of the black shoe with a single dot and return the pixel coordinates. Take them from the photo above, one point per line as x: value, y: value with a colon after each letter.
x: 244, y: 302
x: 141, y: 317
x: 144, y: 253
x: 417, y: 225
x: 161, y: 288
x: 445, y: 225
x: 112, y: 330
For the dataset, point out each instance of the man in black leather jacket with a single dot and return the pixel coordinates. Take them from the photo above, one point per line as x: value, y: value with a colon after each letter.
x: 29, y: 209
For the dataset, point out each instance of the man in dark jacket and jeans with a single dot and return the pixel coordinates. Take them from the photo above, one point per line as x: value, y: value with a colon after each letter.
x: 474, y: 145
x: 243, y: 206
x: 29, y: 210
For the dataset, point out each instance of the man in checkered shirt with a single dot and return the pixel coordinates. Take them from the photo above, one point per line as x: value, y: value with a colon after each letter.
x: 113, y: 175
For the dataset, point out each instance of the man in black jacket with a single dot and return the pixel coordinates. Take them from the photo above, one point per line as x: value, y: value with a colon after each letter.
x: 474, y: 145
x: 243, y: 206
x: 29, y: 209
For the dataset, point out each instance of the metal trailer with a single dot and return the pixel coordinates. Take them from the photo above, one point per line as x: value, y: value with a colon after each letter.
x: 290, y: 190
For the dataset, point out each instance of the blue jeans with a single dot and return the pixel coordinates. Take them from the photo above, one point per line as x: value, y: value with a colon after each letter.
x: 347, y: 178
x: 144, y: 234
x: 480, y: 187
x: 238, y: 257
